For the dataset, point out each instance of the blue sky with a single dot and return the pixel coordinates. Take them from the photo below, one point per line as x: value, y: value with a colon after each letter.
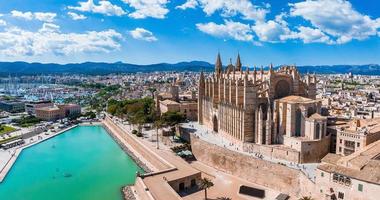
x: 303, y: 32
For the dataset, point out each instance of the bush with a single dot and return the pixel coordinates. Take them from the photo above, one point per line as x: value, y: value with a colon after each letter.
x: 139, y: 134
x: 26, y: 121
x: 134, y: 132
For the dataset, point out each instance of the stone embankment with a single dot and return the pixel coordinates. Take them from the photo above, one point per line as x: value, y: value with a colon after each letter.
x: 146, y: 156
x: 128, y: 193
x: 129, y: 152
x: 262, y: 172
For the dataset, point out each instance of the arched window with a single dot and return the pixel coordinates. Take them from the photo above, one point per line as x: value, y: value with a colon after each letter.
x: 317, y: 131
x: 323, y: 131
x: 282, y: 89
x: 215, y: 123
x: 298, y: 122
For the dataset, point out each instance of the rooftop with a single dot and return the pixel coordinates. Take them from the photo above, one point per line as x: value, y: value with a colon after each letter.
x: 48, y: 108
x: 297, y: 99
x: 317, y: 116
x: 362, y: 165
x: 169, y: 102
x: 366, y: 126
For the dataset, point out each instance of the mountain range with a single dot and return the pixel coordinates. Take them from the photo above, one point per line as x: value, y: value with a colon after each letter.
x: 98, y: 68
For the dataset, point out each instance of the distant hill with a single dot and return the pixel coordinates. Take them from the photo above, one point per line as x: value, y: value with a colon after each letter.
x: 371, y: 69
x: 93, y: 68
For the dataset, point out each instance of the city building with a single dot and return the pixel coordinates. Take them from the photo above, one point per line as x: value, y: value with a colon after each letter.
x: 30, y: 107
x: 354, y: 177
x: 50, y: 113
x: 56, y: 112
x: 356, y: 134
x: 70, y: 110
x: 12, y: 106
x: 273, y: 107
x: 169, y: 106
x: 172, y: 101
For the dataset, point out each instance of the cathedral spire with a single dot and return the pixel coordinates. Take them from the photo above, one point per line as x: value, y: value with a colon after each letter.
x: 202, y: 76
x: 270, y: 69
x: 238, y: 63
x: 233, y: 72
x: 218, y: 65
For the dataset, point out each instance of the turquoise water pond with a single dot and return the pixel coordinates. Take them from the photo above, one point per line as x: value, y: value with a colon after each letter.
x: 84, y: 163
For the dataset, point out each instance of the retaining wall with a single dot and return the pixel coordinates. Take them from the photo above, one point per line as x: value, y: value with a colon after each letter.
x: 272, y: 175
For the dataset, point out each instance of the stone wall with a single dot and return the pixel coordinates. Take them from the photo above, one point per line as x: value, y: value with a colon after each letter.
x: 275, y: 176
x: 273, y: 151
x: 314, y: 151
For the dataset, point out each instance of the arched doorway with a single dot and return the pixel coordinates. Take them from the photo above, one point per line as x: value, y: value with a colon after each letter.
x: 282, y: 89
x: 298, y: 123
x: 215, y: 123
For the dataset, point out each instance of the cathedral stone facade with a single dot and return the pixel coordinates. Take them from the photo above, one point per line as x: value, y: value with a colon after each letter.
x: 260, y: 107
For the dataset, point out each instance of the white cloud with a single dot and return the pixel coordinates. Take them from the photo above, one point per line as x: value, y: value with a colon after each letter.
x: 2, y: 22
x: 45, y: 17
x: 229, y: 8
x: 309, y: 35
x: 143, y: 34
x: 337, y: 18
x: 272, y: 30
x: 148, y: 8
x: 76, y: 16
x: 23, y: 15
x: 188, y: 4
x: 105, y: 7
x: 49, y: 27
x: 229, y: 29
x: 41, y: 16
x: 48, y: 39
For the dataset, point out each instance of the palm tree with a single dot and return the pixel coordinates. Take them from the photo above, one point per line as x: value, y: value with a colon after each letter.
x: 157, y: 124
x: 205, y: 184
x: 152, y: 90
x: 306, y: 198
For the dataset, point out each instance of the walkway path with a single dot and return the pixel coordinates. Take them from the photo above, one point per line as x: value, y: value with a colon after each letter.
x: 225, y: 184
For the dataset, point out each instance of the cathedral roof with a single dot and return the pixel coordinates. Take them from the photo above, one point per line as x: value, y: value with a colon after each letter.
x: 297, y: 99
x: 317, y: 116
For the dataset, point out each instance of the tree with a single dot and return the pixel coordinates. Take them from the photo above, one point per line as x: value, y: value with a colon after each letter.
x: 305, y: 198
x: 205, y: 184
x: 172, y: 118
x: 152, y: 90
x: 90, y: 115
x: 157, y: 124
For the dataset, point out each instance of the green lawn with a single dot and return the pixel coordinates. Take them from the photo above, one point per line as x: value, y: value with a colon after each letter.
x: 6, y: 129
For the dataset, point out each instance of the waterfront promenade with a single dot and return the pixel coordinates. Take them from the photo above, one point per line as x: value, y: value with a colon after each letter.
x: 154, y: 186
